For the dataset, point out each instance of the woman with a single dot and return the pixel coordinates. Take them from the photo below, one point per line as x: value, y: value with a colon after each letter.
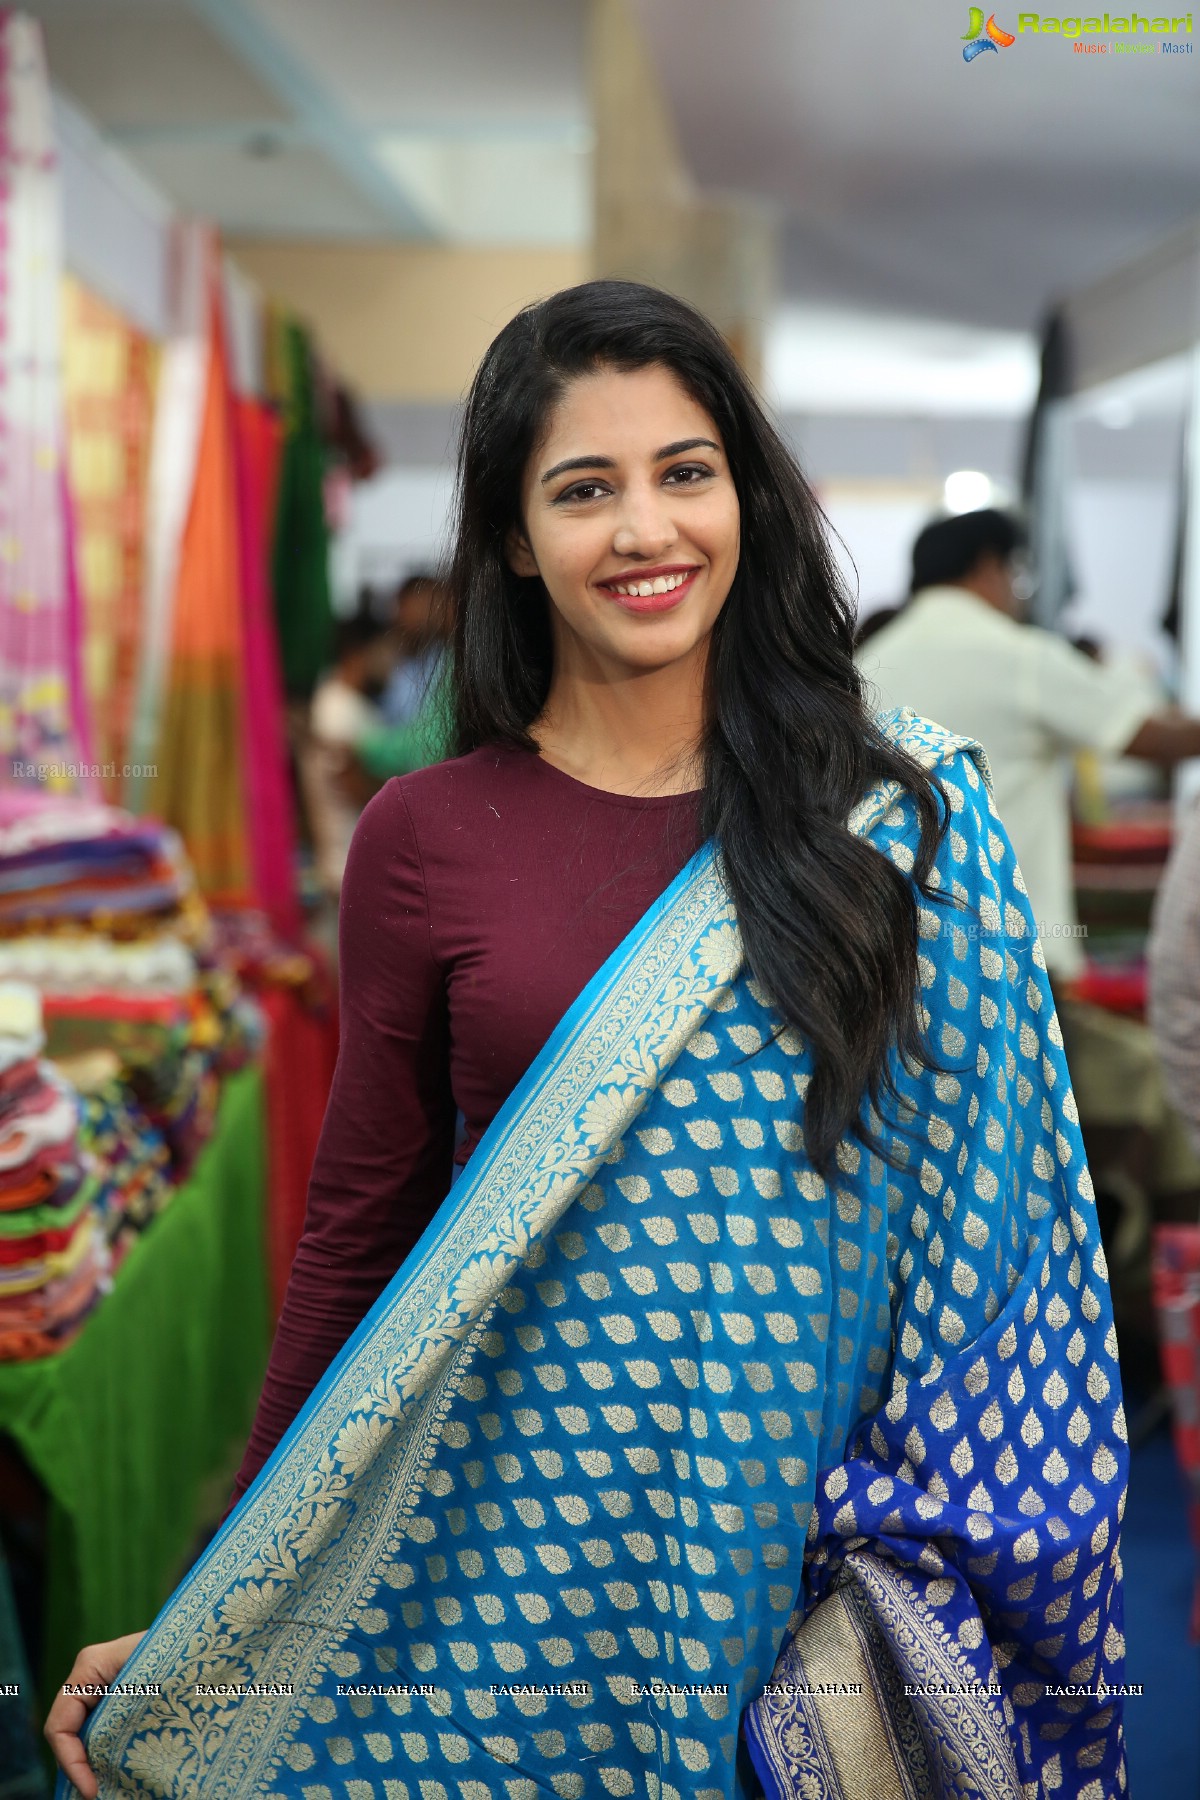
x: 747, y: 1419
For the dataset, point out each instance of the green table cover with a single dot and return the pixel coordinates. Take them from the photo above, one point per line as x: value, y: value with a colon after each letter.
x: 131, y: 1427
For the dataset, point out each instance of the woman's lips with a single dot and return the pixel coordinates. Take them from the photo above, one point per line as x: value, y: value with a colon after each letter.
x: 651, y: 603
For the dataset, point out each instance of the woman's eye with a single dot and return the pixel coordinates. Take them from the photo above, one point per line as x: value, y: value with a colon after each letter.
x: 582, y: 490
x: 687, y: 474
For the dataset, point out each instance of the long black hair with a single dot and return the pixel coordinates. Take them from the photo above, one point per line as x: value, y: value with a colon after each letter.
x: 829, y: 925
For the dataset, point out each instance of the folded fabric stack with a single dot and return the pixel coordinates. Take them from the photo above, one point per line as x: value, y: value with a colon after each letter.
x: 65, y: 860
x: 130, y: 1154
x: 100, y: 911
x: 54, y: 1261
x: 248, y: 944
x: 235, y: 1018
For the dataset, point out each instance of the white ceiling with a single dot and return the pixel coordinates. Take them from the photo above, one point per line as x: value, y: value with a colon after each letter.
x: 453, y: 64
x: 821, y: 359
x: 150, y: 66
x: 910, y: 180
x: 906, y: 182
x: 449, y: 120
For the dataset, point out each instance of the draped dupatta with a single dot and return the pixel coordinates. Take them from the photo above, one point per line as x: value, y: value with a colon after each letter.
x: 656, y: 1429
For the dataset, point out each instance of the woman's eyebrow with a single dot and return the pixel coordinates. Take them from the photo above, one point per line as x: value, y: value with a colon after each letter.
x: 578, y: 462
x: 685, y: 444
x: 607, y: 462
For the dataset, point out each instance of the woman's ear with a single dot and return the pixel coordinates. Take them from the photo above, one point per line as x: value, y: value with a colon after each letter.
x: 518, y: 554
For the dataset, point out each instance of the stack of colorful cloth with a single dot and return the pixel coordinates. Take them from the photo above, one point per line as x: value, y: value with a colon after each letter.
x: 65, y: 860
x: 248, y: 944
x: 100, y: 911
x: 129, y: 1153
x: 54, y: 1261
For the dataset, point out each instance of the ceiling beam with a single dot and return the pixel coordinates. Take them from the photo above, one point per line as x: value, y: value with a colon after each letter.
x: 222, y: 132
x: 316, y: 114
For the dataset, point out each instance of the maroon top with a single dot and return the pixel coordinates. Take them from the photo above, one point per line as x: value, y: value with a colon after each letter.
x: 479, y: 899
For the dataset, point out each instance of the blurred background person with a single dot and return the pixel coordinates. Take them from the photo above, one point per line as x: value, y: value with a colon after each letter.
x: 421, y: 626
x: 379, y: 710
x: 340, y: 717
x: 963, y: 653
x: 412, y: 729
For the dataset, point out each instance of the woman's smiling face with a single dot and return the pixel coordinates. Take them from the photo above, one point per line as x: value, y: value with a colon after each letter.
x: 631, y: 520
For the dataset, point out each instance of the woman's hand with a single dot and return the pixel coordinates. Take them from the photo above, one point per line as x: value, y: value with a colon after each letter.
x: 97, y: 1666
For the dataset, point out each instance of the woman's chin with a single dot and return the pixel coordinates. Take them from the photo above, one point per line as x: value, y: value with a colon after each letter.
x: 657, y: 645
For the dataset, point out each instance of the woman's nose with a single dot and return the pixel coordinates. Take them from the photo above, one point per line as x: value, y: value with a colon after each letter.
x: 645, y: 526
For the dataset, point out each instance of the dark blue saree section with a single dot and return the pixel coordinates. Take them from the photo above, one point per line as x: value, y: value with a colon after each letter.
x: 967, y: 1548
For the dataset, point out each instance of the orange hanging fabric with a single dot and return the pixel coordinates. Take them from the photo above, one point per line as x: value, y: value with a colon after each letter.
x: 199, y: 786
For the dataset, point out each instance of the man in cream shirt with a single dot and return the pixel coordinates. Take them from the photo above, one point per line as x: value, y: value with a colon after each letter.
x: 960, y: 653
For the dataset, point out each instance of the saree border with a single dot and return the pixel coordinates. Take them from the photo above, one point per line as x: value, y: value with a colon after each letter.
x: 837, y: 1742
x: 878, y: 1624
x: 317, y: 1492
x: 967, y: 1725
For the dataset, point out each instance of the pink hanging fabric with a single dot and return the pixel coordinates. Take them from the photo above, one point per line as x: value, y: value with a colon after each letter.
x: 258, y: 440
x: 76, y: 623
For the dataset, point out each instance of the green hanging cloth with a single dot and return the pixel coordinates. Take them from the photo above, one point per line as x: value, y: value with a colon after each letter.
x: 301, y: 559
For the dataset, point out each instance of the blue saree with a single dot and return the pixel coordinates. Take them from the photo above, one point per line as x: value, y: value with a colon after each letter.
x: 661, y: 1467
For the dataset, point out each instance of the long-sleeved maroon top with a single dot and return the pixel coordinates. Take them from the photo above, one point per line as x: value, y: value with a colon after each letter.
x: 479, y: 898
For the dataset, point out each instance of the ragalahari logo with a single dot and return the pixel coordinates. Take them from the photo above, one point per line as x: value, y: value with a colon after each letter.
x: 983, y: 37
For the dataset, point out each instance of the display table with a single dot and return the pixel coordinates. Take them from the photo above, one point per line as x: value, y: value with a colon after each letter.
x: 145, y: 1410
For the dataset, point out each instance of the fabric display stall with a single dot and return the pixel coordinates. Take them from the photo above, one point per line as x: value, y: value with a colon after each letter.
x: 53, y: 1251
x: 235, y: 623
x: 100, y: 917
x: 134, y: 1428
x: 235, y: 517
x: 167, y: 1032
x: 236, y: 522
x: 200, y: 469
x: 133, y: 1297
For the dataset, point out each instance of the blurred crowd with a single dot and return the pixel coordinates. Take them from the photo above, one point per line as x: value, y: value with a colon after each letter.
x: 1058, y: 720
x: 379, y: 710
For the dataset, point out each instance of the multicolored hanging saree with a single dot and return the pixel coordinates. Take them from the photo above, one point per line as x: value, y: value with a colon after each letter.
x: 45, y: 738
x: 179, y: 410
x: 663, y: 1468
x: 109, y: 374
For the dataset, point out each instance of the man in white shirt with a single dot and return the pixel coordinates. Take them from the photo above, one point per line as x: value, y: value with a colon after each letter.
x: 961, y: 653
x: 339, y: 716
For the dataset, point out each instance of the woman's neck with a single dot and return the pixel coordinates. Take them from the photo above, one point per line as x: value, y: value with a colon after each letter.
x: 640, y: 734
